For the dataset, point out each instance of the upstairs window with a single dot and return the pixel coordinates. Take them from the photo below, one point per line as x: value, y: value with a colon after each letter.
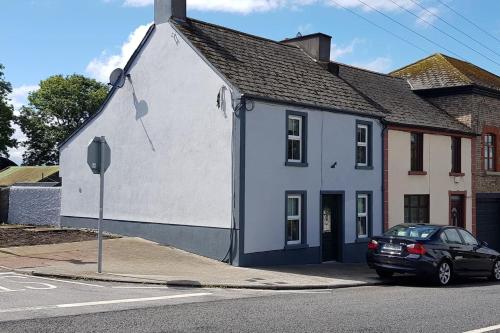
x: 296, y: 139
x: 456, y: 155
x: 363, y: 144
x: 489, y: 152
x: 417, y: 152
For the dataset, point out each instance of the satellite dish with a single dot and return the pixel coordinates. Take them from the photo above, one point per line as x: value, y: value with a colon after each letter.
x: 117, y: 78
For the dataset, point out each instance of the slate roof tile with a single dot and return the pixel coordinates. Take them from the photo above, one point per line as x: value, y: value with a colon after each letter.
x: 269, y: 69
x: 394, y: 95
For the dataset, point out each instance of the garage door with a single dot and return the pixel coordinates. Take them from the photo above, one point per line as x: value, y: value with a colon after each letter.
x: 488, y: 219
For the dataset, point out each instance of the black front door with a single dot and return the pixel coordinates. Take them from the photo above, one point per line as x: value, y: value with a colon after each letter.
x: 331, y: 216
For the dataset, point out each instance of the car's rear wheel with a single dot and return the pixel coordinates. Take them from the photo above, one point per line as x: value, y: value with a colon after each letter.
x: 384, y: 274
x: 495, y: 273
x: 444, y: 274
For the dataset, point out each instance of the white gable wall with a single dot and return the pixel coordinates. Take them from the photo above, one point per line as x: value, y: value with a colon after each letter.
x: 170, y: 147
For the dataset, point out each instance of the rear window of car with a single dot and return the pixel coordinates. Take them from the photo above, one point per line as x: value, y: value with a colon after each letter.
x: 415, y: 232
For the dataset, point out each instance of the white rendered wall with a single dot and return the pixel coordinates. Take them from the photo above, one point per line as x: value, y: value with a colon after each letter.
x: 170, y: 144
x: 437, y: 183
x: 330, y: 139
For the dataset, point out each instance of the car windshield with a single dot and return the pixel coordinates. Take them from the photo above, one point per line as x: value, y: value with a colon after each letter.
x: 412, y: 231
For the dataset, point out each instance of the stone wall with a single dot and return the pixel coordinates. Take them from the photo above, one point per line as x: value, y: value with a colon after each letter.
x: 34, y: 205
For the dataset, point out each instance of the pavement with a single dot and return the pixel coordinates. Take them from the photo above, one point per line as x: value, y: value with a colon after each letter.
x: 134, y: 260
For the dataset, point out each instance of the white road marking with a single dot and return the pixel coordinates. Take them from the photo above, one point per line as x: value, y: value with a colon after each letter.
x: 65, y: 281
x: 41, y: 286
x: 116, y: 301
x: 486, y: 329
x: 6, y: 273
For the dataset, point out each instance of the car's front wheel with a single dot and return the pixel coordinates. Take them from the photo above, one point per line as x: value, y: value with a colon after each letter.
x: 444, y: 274
x: 495, y: 273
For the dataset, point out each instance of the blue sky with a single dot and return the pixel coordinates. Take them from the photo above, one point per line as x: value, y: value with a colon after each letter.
x: 40, y: 38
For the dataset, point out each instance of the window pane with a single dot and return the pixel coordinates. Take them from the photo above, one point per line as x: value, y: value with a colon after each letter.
x: 361, y: 155
x: 293, y: 230
x: 414, y: 201
x: 361, y: 133
x: 362, y: 226
x: 294, y: 150
x: 468, y: 238
x: 361, y: 205
x: 293, y: 126
x: 293, y: 206
x: 453, y: 237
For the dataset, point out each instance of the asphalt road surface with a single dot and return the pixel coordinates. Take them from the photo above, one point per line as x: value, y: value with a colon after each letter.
x: 34, y: 304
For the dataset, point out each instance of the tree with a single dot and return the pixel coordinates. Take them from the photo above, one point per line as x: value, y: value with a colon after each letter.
x: 54, y: 111
x: 6, y: 117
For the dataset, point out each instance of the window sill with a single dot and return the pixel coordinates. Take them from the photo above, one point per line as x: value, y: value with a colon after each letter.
x: 417, y: 173
x: 296, y: 246
x: 360, y: 167
x: 493, y: 173
x: 457, y: 174
x: 297, y: 164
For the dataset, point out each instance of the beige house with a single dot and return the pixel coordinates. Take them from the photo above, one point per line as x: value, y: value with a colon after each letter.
x: 427, y: 154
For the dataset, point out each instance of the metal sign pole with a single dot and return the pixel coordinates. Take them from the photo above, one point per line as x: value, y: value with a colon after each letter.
x: 101, y: 203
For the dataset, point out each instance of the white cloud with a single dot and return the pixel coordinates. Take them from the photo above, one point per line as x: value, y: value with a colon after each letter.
x: 428, y: 17
x: 305, y: 29
x: 19, y: 95
x: 247, y: 6
x: 18, y: 98
x: 100, y: 67
x: 338, y: 51
x: 380, y: 64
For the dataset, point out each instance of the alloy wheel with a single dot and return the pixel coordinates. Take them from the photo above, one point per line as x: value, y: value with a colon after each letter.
x: 445, y: 273
x: 496, y: 271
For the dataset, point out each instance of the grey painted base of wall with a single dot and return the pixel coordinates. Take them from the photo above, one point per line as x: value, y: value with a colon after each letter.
x: 208, y: 242
x: 309, y: 255
x: 354, y: 252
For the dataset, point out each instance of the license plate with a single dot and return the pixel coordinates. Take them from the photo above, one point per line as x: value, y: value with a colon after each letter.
x: 392, y: 248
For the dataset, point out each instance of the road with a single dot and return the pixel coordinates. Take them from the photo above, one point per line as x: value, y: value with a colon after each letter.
x: 34, y: 304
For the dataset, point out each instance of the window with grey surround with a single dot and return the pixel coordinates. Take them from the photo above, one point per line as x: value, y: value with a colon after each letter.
x: 363, y: 144
x: 416, y: 208
x: 296, y: 129
x: 362, y: 215
x: 295, y: 219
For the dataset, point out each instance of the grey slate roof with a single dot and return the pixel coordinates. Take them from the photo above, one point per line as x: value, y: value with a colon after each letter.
x: 271, y: 70
x: 442, y: 71
x: 394, y: 95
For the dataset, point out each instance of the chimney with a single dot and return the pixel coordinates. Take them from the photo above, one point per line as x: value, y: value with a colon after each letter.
x: 316, y: 45
x: 166, y: 9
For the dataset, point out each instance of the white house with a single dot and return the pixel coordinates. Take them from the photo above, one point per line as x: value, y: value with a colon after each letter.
x: 234, y: 147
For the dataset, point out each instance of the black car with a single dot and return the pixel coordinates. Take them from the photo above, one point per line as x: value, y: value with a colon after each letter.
x: 432, y: 251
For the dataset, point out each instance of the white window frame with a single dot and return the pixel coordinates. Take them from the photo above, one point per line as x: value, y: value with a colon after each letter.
x: 362, y: 144
x: 296, y: 138
x: 295, y: 217
x: 365, y: 214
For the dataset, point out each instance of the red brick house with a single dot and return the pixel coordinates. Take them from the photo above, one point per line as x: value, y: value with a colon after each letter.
x: 471, y: 95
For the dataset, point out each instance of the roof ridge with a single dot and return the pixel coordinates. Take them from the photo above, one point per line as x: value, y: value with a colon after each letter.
x: 468, y: 63
x: 238, y: 32
x: 413, y: 63
x: 368, y: 70
x: 445, y: 58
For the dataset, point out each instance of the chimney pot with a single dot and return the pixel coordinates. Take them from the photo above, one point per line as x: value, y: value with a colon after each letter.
x: 317, y: 45
x: 166, y: 9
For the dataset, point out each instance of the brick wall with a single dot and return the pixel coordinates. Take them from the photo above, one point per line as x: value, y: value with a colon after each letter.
x: 482, y: 114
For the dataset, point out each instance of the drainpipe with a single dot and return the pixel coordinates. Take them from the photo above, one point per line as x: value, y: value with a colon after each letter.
x: 384, y: 130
